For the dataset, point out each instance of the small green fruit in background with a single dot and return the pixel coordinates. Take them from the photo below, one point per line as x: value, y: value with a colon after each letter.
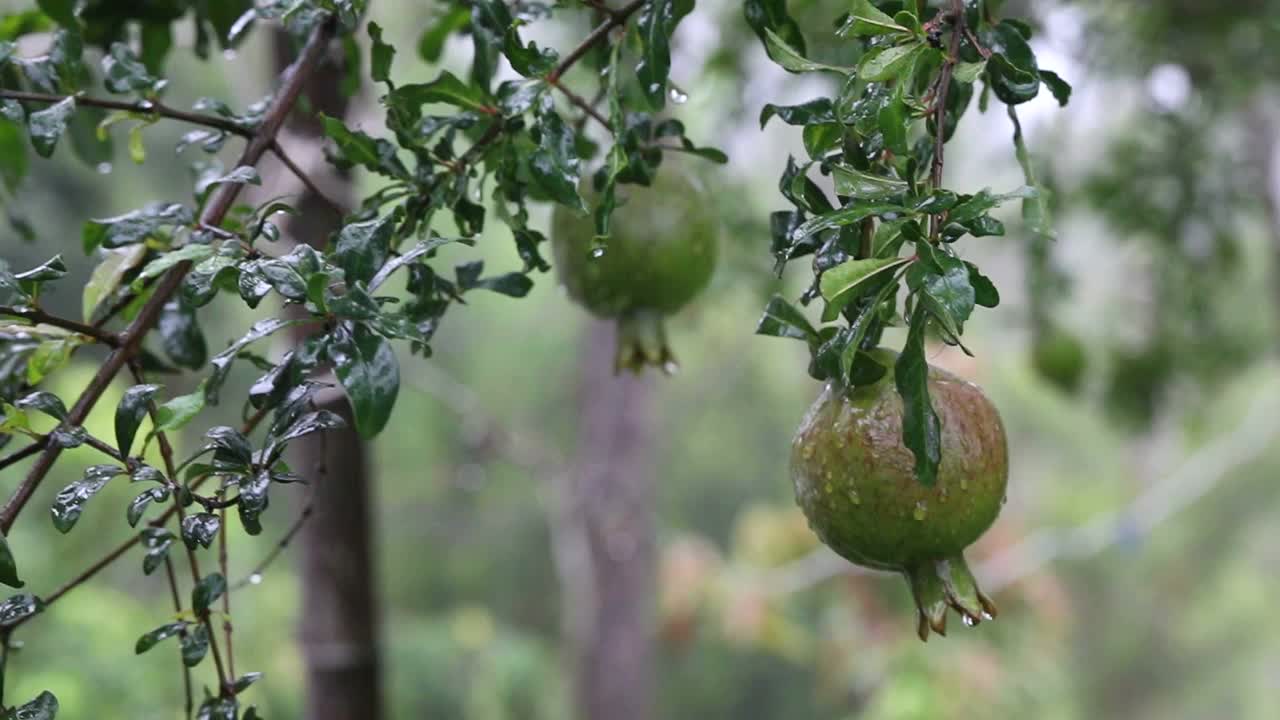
x: 857, y: 485
x: 660, y: 254
x: 1059, y: 357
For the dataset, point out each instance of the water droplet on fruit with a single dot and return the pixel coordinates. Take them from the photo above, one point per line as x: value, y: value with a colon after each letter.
x: 964, y: 483
x: 828, y: 488
x: 677, y: 96
x: 968, y: 620
x: 921, y: 511
x: 807, y: 452
x: 255, y: 579
x: 104, y: 168
x: 597, y: 253
x: 670, y: 367
x: 853, y: 497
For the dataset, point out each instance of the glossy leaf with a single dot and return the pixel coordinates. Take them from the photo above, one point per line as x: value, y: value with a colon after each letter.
x: 69, y: 503
x: 867, y: 19
x: 792, y: 60
x: 138, y: 506
x: 860, y: 185
x: 367, y: 367
x: 782, y: 319
x: 890, y: 63
x: 129, y: 414
x: 8, y: 565
x: 47, y: 126
x: 155, y: 637
x: 207, y: 591
x: 157, y: 542
x: 554, y: 163
x: 107, y: 277
x: 44, y: 707
x: 180, y: 410
x: 921, y: 430
x: 200, y: 529
x: 655, y: 26
x: 195, y: 645
x: 446, y: 88
x: 851, y: 280
x: 362, y: 248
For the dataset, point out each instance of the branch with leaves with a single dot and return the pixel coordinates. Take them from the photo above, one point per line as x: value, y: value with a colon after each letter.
x: 880, y: 144
x: 451, y: 141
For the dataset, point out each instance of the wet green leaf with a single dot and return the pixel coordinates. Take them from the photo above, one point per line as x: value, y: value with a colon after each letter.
x: 195, y: 645
x: 380, y: 53
x: 8, y: 565
x: 200, y: 529
x: 367, y: 367
x: 45, y: 402
x: 921, y: 430
x: 129, y: 414
x: 554, y: 163
x: 782, y: 319
x: 44, y: 707
x: 867, y: 19
x: 792, y: 60
x: 47, y: 126
x: 207, y: 591
x: 890, y: 63
x: 180, y: 410
x: 107, y: 276
x: 134, y: 227
x: 138, y: 506
x: 446, y: 88
x: 69, y: 503
x: 155, y: 637
x: 860, y: 185
x: 363, y: 247
x: 655, y: 26
x: 357, y: 148
x: 181, y: 336
x: 123, y: 72
x: 157, y: 542
x: 854, y: 279
x: 814, y: 111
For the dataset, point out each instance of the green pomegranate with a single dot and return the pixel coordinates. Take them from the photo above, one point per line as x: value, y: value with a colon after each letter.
x: 857, y: 485
x: 660, y: 254
x: 1059, y: 358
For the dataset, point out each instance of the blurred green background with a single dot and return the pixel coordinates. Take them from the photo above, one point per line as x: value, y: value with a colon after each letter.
x: 1134, y: 563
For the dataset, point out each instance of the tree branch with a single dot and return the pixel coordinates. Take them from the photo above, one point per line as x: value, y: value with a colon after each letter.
x: 140, y: 107
x: 616, y: 19
x: 36, y: 315
x: 213, y: 214
x: 940, y: 116
x: 278, y: 150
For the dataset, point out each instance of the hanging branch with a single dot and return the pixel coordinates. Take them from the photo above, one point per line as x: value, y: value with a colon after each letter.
x: 214, y: 212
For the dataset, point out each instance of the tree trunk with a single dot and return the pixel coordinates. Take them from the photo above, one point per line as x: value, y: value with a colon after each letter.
x: 1263, y: 130
x: 339, y: 627
x: 608, y: 504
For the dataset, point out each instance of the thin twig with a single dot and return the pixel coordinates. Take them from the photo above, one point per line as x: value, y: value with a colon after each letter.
x: 616, y: 19
x: 940, y: 118
x: 226, y: 596
x: 24, y: 453
x: 147, y: 317
x: 278, y: 150
x: 171, y: 470
x: 582, y: 104
x: 115, y: 553
x: 177, y: 609
x: 140, y: 107
x: 36, y: 315
x: 255, y: 575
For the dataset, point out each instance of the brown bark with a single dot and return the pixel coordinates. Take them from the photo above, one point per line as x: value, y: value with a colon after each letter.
x: 609, y: 584
x: 339, y: 627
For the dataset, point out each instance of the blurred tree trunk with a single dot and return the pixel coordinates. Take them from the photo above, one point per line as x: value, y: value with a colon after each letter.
x: 1264, y: 128
x: 608, y: 507
x: 339, y: 628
